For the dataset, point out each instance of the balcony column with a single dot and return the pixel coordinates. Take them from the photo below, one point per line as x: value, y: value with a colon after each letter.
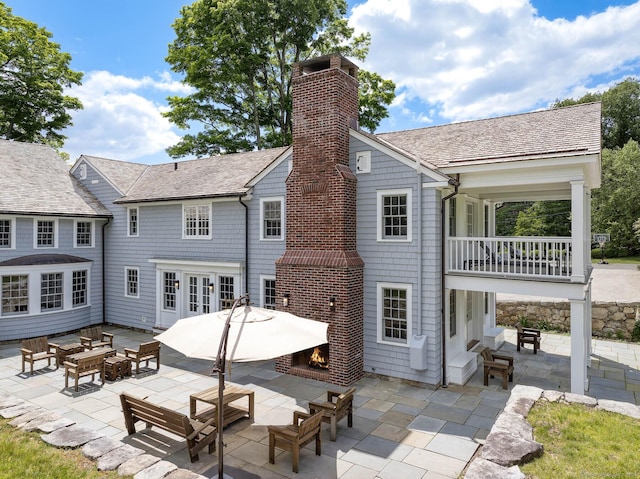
x: 578, y: 231
x: 579, y: 346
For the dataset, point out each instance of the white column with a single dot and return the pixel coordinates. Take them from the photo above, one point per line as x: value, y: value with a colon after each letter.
x: 578, y: 231
x: 578, y: 348
x: 589, y: 322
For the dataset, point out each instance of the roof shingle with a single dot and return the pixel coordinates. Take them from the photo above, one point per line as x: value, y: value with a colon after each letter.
x: 572, y: 130
x: 224, y: 175
x: 34, y: 179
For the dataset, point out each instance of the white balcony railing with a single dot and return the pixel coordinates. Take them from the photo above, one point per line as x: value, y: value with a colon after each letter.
x: 536, y: 257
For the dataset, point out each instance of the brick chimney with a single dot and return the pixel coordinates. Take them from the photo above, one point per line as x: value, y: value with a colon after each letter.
x: 321, y: 261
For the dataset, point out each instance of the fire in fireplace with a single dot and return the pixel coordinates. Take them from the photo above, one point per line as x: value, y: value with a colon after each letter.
x: 318, y: 359
x: 314, y: 358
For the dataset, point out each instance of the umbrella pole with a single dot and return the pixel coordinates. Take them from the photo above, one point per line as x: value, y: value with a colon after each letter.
x: 219, y: 367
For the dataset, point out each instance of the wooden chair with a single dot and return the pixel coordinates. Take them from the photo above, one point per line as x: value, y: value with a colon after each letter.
x: 36, y: 349
x: 497, y: 364
x: 295, y: 436
x: 146, y: 351
x: 336, y: 407
x: 528, y: 336
x: 94, y: 338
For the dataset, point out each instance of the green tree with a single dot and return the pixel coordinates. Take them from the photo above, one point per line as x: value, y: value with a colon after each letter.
x: 33, y: 76
x: 237, y: 55
x: 616, y: 204
x: 545, y: 218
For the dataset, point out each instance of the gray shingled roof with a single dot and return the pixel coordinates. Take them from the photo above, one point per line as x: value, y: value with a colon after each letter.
x: 573, y: 130
x: 34, y: 179
x: 121, y: 174
x: 224, y: 175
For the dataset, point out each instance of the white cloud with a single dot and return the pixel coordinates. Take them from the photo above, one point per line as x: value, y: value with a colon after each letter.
x: 122, y: 117
x: 466, y: 59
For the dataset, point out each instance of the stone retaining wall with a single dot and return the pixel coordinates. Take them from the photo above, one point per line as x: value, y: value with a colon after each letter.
x: 609, y: 320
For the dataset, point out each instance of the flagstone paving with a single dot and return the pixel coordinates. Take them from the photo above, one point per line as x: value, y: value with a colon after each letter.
x: 399, y: 430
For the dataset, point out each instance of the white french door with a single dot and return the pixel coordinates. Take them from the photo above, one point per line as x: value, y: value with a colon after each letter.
x: 197, y: 295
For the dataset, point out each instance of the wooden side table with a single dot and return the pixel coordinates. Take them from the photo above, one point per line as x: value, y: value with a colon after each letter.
x: 231, y: 412
x: 117, y: 367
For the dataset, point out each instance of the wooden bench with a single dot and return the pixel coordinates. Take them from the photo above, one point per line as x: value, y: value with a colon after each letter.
x: 90, y: 365
x: 37, y: 349
x: 146, y: 351
x: 336, y: 407
x: 197, y: 434
x: 94, y: 338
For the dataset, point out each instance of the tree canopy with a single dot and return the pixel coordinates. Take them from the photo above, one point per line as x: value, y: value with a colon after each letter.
x: 33, y: 76
x: 616, y: 204
x: 237, y: 55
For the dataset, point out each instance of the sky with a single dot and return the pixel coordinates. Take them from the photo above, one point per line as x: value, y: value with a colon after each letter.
x: 451, y: 60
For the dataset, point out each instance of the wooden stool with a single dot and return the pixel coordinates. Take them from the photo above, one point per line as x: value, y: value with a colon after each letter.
x: 117, y: 367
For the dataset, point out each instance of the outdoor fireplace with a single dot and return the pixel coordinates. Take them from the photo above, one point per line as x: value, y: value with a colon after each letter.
x: 312, y: 363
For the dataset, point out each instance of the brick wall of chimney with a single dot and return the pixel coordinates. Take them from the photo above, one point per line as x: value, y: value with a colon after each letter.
x: 321, y: 260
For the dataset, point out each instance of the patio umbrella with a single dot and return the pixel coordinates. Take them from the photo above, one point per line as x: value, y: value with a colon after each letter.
x: 243, y: 333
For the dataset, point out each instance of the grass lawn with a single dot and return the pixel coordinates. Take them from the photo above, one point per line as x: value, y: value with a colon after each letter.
x: 26, y: 455
x: 582, y: 442
x: 624, y: 260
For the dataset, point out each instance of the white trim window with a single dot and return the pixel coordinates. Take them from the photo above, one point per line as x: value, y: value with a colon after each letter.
x: 453, y: 313
x: 15, y: 294
x: 79, y: 284
x: 132, y: 282
x: 84, y: 234
x: 7, y: 233
x: 45, y: 233
x: 169, y: 296
x: 132, y: 221
x: 196, y: 221
x: 394, y: 215
x: 394, y: 313
x: 268, y: 292
x: 271, y: 215
x: 51, y: 292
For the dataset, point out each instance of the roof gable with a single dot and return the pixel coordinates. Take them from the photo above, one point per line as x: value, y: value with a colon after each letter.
x: 35, y: 180
x: 120, y: 174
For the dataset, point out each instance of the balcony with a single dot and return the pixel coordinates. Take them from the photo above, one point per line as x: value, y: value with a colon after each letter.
x: 538, y: 258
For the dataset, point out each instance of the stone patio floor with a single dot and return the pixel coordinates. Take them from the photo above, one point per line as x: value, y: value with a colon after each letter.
x: 399, y: 430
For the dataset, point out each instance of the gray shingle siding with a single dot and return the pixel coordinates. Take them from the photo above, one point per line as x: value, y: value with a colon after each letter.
x: 263, y: 254
x: 397, y: 262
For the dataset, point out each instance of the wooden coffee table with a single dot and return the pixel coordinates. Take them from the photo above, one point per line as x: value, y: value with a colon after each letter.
x: 232, y: 412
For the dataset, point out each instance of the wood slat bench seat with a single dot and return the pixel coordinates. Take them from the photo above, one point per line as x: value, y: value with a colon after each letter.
x: 37, y: 349
x: 94, y: 337
x: 197, y: 434
x: 86, y: 366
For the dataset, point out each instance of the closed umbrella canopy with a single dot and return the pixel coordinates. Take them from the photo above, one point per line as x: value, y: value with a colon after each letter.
x: 254, y: 334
